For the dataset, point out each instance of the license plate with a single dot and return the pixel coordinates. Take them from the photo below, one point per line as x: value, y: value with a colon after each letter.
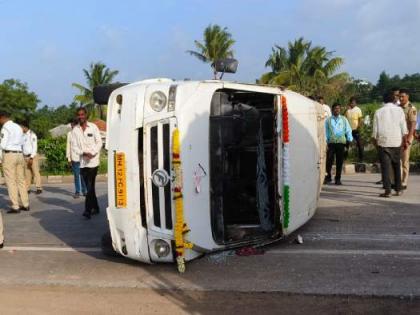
x: 120, y: 180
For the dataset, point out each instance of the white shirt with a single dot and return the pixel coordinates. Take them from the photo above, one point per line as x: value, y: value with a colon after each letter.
x: 88, y: 141
x: 70, y: 154
x: 30, y: 143
x: 389, y: 126
x: 327, y: 111
x: 11, y: 137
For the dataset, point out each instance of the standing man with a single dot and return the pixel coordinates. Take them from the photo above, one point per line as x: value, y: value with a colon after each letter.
x: 396, y: 93
x: 30, y: 152
x: 327, y: 109
x: 389, y: 133
x: 396, y: 101
x: 355, y: 117
x: 410, y: 113
x: 13, y: 163
x: 87, y: 143
x: 74, y: 162
x: 338, y: 133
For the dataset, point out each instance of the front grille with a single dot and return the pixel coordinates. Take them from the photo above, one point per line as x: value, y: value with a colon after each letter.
x: 160, y: 158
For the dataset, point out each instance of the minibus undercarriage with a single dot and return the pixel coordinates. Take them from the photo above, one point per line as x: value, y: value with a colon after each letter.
x: 243, y: 172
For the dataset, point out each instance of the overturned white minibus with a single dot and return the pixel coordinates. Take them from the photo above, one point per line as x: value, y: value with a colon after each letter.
x: 203, y: 166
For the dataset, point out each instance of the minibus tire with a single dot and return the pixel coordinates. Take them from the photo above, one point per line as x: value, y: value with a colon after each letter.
x: 106, y: 246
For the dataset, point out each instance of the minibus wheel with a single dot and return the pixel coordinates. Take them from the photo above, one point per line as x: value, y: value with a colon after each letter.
x: 106, y: 246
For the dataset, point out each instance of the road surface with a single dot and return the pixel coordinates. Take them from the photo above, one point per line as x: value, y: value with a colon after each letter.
x: 361, y: 254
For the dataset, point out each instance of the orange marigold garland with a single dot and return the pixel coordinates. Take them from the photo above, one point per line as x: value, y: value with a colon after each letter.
x: 181, y: 227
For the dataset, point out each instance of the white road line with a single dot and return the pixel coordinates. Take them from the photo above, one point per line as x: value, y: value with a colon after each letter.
x: 362, y: 237
x: 354, y: 252
x: 50, y: 249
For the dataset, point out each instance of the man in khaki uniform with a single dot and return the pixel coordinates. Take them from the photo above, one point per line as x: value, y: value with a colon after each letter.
x: 30, y: 152
x: 411, y: 119
x: 1, y: 232
x: 13, y: 163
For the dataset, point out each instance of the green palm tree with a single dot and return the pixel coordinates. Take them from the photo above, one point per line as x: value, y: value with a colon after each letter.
x: 301, y: 67
x: 217, y: 44
x: 97, y: 74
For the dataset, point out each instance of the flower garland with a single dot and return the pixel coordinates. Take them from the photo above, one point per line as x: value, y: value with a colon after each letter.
x: 286, y: 163
x: 180, y: 226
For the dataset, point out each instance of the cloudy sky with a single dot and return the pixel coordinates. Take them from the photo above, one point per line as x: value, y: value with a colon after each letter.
x: 47, y: 43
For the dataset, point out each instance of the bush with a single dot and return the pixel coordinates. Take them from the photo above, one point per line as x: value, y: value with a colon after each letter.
x: 103, y: 164
x: 55, y: 154
x: 54, y: 151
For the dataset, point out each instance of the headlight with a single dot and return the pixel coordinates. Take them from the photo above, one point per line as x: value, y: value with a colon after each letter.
x: 157, y: 101
x: 162, y: 249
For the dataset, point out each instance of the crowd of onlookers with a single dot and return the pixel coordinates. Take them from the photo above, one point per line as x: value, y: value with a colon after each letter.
x: 20, y: 162
x: 395, y: 127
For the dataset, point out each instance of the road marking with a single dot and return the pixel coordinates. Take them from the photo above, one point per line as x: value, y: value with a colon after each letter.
x: 362, y: 237
x: 51, y: 249
x: 354, y: 252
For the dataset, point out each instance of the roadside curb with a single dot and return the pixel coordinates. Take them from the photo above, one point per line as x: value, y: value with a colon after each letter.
x: 61, y: 179
x: 374, y: 168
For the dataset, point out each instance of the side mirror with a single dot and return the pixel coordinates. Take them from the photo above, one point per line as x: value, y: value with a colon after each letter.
x: 226, y: 65
x: 102, y: 93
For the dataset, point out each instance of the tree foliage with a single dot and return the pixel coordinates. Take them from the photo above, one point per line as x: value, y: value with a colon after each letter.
x: 386, y: 82
x: 310, y: 70
x: 97, y: 74
x: 217, y: 44
x: 16, y: 98
x: 46, y: 118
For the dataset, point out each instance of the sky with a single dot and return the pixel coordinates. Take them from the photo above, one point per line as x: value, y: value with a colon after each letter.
x: 47, y: 43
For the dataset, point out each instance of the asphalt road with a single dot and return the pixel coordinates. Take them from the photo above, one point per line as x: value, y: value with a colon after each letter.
x: 361, y: 254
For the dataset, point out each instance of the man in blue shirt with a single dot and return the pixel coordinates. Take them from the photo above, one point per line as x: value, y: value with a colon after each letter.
x: 338, y: 134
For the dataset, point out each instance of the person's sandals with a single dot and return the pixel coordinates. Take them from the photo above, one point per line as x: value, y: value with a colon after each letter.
x: 385, y: 195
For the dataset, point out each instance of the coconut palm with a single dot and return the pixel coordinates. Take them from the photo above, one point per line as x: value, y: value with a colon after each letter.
x: 217, y: 44
x: 301, y: 67
x: 97, y: 74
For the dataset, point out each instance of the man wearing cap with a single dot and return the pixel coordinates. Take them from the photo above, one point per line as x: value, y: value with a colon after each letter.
x: 30, y: 152
x: 13, y: 163
x: 410, y: 113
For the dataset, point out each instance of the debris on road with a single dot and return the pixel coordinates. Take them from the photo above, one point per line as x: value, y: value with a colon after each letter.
x: 249, y: 251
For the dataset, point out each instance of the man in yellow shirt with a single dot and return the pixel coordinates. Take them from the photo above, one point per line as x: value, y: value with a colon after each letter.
x: 355, y: 117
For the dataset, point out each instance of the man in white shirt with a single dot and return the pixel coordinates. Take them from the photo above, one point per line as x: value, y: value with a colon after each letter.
x: 325, y: 107
x: 389, y: 133
x: 30, y: 152
x: 13, y: 163
x: 87, y: 143
x: 74, y: 162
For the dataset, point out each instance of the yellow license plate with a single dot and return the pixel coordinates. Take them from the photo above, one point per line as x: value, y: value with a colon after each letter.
x: 120, y: 180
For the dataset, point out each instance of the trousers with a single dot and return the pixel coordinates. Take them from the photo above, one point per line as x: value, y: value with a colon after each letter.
x: 357, y: 138
x: 405, y: 165
x: 1, y: 229
x: 32, y: 172
x: 14, y: 175
x: 335, y: 150
x: 390, y: 159
x: 79, y: 183
x: 89, y: 176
